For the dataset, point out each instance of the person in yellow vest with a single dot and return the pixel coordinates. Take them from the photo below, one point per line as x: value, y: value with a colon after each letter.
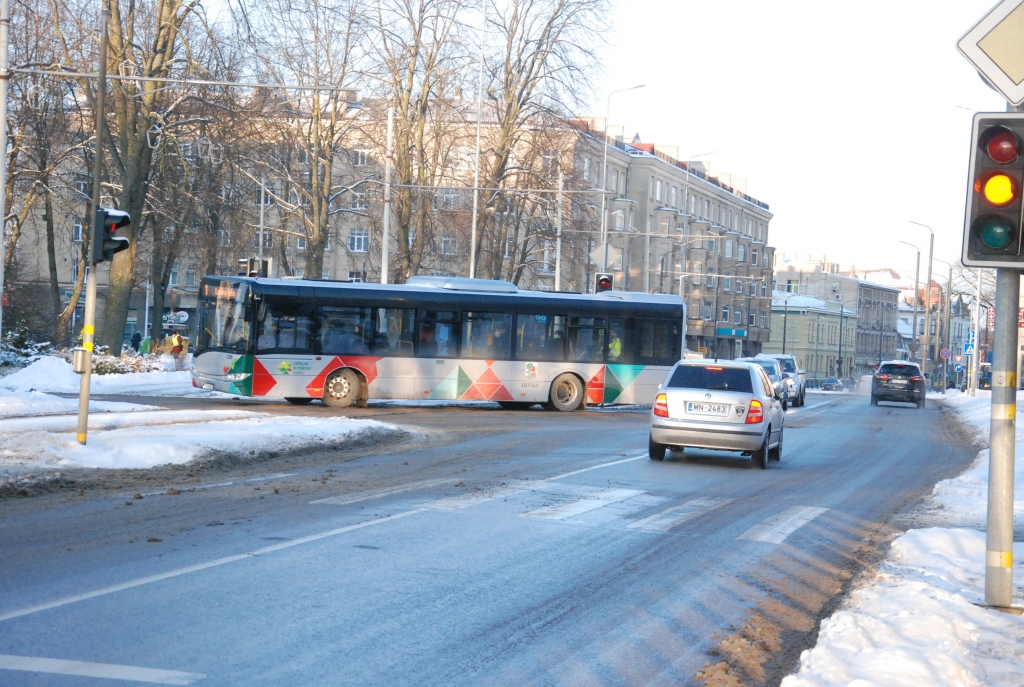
x: 177, y: 344
x: 614, y: 346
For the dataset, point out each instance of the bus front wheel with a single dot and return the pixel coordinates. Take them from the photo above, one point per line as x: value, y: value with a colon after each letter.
x: 342, y: 389
x: 566, y: 393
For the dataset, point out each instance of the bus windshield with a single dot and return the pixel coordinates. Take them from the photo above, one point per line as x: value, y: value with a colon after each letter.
x: 224, y: 317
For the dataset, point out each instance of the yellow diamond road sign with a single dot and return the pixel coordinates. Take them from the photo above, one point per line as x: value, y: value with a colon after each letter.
x: 995, y: 46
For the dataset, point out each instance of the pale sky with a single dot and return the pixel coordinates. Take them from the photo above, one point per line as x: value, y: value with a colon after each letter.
x: 847, y: 118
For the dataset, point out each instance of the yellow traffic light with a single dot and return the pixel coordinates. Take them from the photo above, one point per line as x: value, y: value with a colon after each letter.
x: 998, y: 189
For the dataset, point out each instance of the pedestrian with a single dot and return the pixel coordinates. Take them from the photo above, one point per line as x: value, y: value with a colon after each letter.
x: 136, y: 340
x: 177, y: 345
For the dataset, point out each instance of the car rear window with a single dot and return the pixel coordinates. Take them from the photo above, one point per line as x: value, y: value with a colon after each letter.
x: 712, y: 378
x: 893, y: 369
x: 787, y: 364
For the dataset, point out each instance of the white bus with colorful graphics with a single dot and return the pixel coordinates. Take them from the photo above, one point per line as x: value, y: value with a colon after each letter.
x: 435, y: 338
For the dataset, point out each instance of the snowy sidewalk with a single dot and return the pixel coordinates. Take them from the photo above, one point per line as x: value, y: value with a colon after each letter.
x: 917, y: 621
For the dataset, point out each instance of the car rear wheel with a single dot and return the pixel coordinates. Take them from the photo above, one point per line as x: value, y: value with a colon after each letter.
x: 920, y: 404
x: 655, y: 450
x: 760, y: 456
x: 566, y: 393
x: 776, y: 453
x: 342, y: 388
x: 874, y: 400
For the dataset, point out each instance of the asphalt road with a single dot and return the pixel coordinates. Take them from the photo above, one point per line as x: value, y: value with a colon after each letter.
x: 490, y: 548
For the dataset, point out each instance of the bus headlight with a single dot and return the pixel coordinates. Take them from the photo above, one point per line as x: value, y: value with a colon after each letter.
x: 237, y: 376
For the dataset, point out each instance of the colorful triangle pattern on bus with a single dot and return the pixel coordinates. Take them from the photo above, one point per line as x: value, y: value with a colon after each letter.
x: 595, y: 387
x: 487, y: 387
x: 610, y: 381
x: 262, y: 380
x: 452, y: 387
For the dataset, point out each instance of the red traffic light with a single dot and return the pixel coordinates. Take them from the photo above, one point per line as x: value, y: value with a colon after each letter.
x: 1002, y: 147
x: 604, y: 283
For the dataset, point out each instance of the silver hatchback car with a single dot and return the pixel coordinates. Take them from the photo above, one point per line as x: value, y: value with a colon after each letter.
x: 720, y: 405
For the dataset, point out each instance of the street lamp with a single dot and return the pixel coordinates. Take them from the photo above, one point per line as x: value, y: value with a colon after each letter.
x: 945, y: 327
x: 604, y: 178
x: 917, y: 275
x: 928, y: 296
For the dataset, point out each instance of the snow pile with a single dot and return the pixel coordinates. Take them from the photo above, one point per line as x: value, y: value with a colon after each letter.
x: 917, y: 622
x: 54, y: 375
x: 31, y: 403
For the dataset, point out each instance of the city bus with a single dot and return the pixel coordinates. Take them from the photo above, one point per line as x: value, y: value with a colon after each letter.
x: 433, y: 338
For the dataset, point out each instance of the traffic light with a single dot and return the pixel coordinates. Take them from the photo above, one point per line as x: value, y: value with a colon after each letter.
x: 103, y: 227
x: 992, y: 224
x: 603, y: 282
x: 251, y: 267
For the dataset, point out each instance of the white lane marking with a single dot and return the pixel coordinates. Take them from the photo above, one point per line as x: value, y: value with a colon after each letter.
x: 667, y: 519
x: 590, y: 502
x: 195, y: 568
x: 814, y: 409
x: 775, y: 529
x: 199, y: 485
x: 110, y: 671
x: 597, y: 467
x: 478, y: 497
x: 377, y: 493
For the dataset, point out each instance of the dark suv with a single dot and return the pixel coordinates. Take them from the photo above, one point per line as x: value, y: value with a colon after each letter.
x: 898, y: 380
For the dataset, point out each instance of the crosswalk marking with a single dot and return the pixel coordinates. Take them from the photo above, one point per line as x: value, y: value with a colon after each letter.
x: 667, y: 519
x: 477, y: 497
x: 56, y: 666
x: 377, y: 493
x: 590, y: 502
x: 775, y: 529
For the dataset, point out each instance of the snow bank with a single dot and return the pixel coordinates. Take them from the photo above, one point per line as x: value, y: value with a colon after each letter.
x: 144, y: 443
x: 916, y: 623
x: 30, y: 403
x: 55, y: 375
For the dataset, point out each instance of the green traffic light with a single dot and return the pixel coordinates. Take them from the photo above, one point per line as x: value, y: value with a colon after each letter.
x: 995, y: 233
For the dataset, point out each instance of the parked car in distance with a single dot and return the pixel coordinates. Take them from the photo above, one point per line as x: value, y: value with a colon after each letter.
x: 832, y: 384
x: 774, y: 372
x: 723, y: 406
x: 900, y: 381
x: 795, y: 383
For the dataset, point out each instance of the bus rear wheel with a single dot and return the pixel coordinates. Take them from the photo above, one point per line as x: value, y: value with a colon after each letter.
x: 342, y: 388
x: 566, y: 393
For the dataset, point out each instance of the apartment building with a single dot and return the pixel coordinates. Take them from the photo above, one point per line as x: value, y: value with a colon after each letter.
x: 876, y: 305
x: 674, y: 228
x: 819, y: 332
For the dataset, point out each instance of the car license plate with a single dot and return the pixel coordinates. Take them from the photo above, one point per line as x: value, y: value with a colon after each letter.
x: 899, y: 381
x: 707, y: 408
x: 207, y: 386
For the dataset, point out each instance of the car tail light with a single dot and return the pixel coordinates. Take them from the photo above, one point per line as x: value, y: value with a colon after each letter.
x: 882, y: 377
x: 661, y: 406
x: 755, y: 414
x: 917, y: 378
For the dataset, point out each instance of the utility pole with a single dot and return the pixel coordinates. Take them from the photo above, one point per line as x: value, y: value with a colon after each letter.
x: 839, y: 363
x: 975, y: 367
x: 785, y: 320
x: 558, y: 233
x: 263, y: 207
x: 385, y: 246
x: 476, y: 170
x: 5, y: 25
x: 89, y: 327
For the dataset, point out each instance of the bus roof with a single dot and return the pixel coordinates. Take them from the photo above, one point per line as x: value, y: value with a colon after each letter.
x: 439, y: 290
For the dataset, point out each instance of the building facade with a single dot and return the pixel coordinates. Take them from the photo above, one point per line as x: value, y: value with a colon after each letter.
x: 818, y: 332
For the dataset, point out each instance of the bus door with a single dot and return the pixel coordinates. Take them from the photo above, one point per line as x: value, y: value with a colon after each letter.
x: 394, y: 343
x: 284, y: 347
x: 437, y: 352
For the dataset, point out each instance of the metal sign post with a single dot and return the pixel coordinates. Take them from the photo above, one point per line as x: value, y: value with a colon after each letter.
x: 89, y: 327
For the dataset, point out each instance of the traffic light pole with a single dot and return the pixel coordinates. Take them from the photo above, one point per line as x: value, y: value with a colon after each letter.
x: 89, y: 327
x: 999, y: 538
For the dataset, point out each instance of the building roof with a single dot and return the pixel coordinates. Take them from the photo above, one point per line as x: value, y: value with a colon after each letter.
x: 801, y: 302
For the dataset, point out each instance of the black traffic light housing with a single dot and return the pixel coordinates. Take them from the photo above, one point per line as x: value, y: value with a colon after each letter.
x: 993, y: 220
x: 106, y: 222
x: 603, y: 282
x: 252, y: 267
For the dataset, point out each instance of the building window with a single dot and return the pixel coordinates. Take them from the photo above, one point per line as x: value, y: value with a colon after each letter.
x: 725, y: 313
x: 710, y: 281
x: 752, y: 320
x: 359, y: 240
x: 586, y: 169
x: 190, y: 278
x: 300, y: 242
x: 619, y: 220
x: 76, y: 231
x: 793, y: 285
x: 739, y: 286
x: 266, y: 193
x: 728, y: 248
x: 711, y: 244
x: 752, y: 289
x: 705, y: 311
x: 358, y: 202
x: 738, y: 316
x: 743, y: 253
x: 83, y: 185
x: 673, y: 201
x: 727, y: 283
x: 764, y: 259
x: 696, y: 273
x: 753, y: 256
x: 693, y: 205
x: 329, y: 241
x: 615, y: 180
x: 359, y: 158
x: 173, y: 281
x: 356, y: 277
x: 448, y: 245
x: 764, y: 288
x: 657, y: 190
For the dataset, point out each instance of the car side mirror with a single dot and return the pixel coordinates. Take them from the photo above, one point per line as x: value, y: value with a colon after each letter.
x: 803, y: 372
x: 785, y: 395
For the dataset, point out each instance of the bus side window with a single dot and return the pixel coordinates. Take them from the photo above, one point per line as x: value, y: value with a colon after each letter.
x: 586, y: 339
x: 344, y: 331
x: 439, y: 335
x: 621, y: 341
x: 487, y: 336
x: 394, y: 332
x: 285, y: 326
x: 658, y: 342
x: 540, y: 337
